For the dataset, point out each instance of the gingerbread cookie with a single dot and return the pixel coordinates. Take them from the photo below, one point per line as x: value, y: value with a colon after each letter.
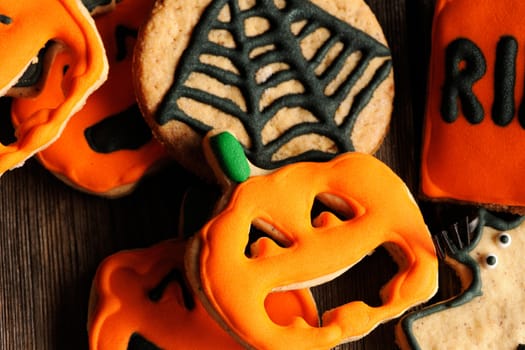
x: 106, y: 148
x: 487, y: 313
x: 140, y: 300
x: 293, y: 80
x: 23, y: 34
x: 273, y: 244
x: 475, y: 122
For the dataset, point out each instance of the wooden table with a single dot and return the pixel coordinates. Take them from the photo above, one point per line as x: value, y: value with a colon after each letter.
x: 52, y: 237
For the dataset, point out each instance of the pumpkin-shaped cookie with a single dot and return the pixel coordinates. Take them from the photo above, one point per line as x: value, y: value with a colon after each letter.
x: 140, y: 300
x: 107, y: 147
x: 26, y: 26
x: 368, y: 206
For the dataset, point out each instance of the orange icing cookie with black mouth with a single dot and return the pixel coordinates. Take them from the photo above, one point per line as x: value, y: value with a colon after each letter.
x: 272, y: 243
x: 26, y: 26
x: 107, y: 147
x: 141, y: 301
x: 475, y: 116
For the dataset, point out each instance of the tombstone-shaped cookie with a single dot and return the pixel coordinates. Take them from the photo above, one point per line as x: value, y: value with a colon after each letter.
x: 475, y: 116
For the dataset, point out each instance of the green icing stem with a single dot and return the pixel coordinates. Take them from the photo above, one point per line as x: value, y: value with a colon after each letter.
x: 230, y: 156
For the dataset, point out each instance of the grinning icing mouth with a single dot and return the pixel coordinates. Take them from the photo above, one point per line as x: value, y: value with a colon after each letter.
x: 5, y: 19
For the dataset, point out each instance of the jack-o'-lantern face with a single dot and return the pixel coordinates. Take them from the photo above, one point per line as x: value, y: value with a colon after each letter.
x: 107, y: 144
x: 26, y: 26
x: 142, y: 298
x: 374, y: 208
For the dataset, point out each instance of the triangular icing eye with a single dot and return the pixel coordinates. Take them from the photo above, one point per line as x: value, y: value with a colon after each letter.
x: 261, y: 231
x: 5, y: 19
x: 329, y: 203
x: 138, y: 342
x: 175, y: 275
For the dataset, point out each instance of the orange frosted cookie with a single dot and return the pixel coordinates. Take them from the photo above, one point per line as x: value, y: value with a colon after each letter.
x: 107, y: 147
x: 26, y: 26
x: 265, y: 230
x: 293, y: 80
x: 475, y: 123
x: 140, y: 300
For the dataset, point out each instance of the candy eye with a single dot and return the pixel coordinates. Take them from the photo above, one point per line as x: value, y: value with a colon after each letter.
x: 504, y: 239
x: 491, y: 261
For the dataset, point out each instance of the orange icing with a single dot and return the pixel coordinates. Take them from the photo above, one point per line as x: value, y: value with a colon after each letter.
x: 122, y: 307
x: 480, y: 163
x: 383, y: 212
x: 71, y: 157
x: 34, y: 23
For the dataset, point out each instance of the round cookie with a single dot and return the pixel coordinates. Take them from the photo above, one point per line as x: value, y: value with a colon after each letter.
x: 292, y: 80
x: 106, y: 147
x: 141, y: 300
x: 266, y: 229
x: 23, y: 34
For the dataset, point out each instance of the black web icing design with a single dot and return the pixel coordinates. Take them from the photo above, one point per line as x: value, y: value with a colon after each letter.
x: 285, y: 48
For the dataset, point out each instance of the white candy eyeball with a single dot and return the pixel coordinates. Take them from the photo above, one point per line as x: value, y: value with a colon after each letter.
x: 491, y: 261
x: 504, y: 239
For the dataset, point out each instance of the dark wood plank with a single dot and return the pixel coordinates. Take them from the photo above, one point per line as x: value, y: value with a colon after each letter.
x: 52, y: 238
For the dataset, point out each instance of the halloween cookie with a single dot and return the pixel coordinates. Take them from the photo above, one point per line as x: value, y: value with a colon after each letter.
x: 23, y: 34
x: 487, y: 313
x: 273, y: 244
x: 294, y: 80
x: 34, y: 77
x: 140, y: 300
x: 107, y: 147
x: 475, y: 122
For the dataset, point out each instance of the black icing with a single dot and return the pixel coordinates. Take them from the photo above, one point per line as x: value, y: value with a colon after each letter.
x: 503, y: 108
x: 138, y: 342
x: 126, y: 130
x: 33, y: 73
x: 93, y: 4
x: 464, y: 65
x: 174, y: 275
x: 7, y: 130
x: 5, y: 20
x: 287, y: 50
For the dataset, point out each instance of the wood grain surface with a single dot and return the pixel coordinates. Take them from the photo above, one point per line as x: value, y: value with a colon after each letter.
x: 52, y: 237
